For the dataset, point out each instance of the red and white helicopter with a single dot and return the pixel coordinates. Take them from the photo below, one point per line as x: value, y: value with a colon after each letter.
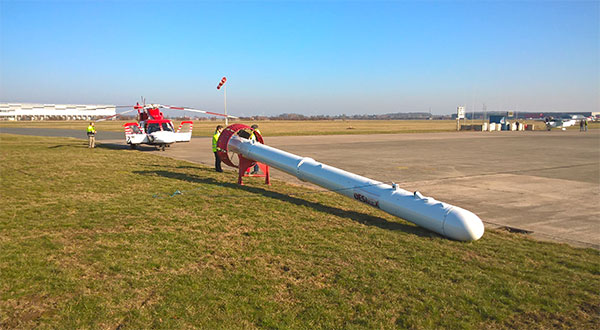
x: 154, y: 129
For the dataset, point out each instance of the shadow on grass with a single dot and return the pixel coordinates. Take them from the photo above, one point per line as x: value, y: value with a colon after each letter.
x: 78, y: 146
x: 121, y: 146
x: 199, y: 167
x: 115, y: 146
x: 362, y: 218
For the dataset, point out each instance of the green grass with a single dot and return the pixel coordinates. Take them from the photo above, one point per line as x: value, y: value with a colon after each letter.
x: 91, y: 238
x: 290, y: 128
x: 274, y: 128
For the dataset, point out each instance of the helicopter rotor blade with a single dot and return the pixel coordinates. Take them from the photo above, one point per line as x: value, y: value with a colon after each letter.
x: 196, y: 110
x: 105, y: 118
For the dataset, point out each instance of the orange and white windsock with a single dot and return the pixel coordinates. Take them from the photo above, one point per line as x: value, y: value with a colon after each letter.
x: 223, y: 80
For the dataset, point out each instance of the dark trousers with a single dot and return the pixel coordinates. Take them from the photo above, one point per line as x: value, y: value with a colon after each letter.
x: 218, y: 163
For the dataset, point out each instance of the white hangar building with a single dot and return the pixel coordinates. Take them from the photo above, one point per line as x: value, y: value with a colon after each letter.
x: 32, y: 111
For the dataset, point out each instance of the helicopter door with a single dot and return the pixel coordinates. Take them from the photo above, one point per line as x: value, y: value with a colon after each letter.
x: 133, y: 134
x: 185, y: 134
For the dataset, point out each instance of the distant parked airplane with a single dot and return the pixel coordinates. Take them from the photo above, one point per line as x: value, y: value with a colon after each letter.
x: 561, y: 123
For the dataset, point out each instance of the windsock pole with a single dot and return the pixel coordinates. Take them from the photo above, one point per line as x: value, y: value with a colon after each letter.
x: 445, y: 219
x: 225, y: 97
x: 221, y: 83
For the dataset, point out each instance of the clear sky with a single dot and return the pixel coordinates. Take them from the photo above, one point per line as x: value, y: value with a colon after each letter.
x: 308, y: 57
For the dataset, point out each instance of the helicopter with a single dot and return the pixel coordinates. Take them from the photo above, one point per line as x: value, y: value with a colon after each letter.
x: 153, y: 128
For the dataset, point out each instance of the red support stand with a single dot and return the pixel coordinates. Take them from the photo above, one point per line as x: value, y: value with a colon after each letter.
x: 246, y: 165
x: 264, y: 168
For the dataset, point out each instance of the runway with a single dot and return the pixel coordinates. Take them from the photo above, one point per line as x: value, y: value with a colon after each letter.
x: 547, y: 183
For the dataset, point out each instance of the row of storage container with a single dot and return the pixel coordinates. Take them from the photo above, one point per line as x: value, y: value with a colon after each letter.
x: 508, y: 127
x: 491, y: 127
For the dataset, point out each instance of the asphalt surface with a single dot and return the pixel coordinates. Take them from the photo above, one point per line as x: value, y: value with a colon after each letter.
x: 546, y: 183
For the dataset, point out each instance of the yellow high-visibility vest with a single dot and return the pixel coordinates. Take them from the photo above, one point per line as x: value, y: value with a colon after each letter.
x: 214, y: 141
x: 91, y: 129
x: 252, y: 137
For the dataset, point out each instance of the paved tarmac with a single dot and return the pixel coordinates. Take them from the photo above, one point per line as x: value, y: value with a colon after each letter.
x: 547, y: 183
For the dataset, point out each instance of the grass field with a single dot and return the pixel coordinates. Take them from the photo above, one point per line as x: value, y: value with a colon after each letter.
x: 293, y: 128
x: 98, y: 238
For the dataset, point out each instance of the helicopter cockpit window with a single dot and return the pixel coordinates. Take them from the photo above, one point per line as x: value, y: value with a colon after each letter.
x: 153, y: 128
x: 167, y: 127
x: 135, y: 129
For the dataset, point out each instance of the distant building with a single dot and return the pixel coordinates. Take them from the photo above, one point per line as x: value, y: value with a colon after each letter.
x: 31, y: 111
x: 498, y: 119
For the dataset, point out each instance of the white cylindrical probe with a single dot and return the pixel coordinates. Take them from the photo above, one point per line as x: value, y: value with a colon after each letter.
x: 444, y: 219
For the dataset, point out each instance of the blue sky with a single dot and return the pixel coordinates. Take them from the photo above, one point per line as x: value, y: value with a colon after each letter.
x: 310, y: 57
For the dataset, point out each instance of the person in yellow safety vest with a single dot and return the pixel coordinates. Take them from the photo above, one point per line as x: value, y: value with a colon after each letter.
x: 214, y: 148
x: 252, y: 137
x: 91, y: 133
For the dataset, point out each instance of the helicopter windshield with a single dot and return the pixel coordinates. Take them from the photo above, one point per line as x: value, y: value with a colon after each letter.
x: 135, y: 129
x: 167, y: 127
x: 153, y: 127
